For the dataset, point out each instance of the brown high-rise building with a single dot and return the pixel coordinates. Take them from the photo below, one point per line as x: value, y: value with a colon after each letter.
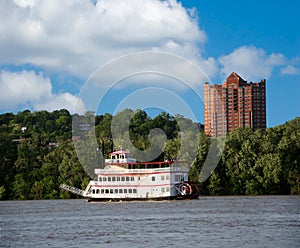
x: 235, y: 103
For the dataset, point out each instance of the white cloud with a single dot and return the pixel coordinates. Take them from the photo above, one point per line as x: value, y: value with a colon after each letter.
x: 75, y: 37
x: 25, y: 3
x: 23, y: 87
x: 251, y: 63
x: 289, y: 70
x: 78, y: 36
x: 60, y: 101
x: 33, y: 90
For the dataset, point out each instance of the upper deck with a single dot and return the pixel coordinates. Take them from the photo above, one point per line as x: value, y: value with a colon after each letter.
x: 141, y: 168
x: 120, y: 156
x: 120, y: 162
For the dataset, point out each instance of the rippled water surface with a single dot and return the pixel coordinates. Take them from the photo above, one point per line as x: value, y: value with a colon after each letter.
x: 264, y: 221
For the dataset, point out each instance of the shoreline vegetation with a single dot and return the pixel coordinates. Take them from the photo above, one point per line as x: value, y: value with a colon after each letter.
x: 38, y: 153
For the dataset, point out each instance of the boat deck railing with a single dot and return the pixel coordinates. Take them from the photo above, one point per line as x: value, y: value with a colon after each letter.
x: 119, y: 170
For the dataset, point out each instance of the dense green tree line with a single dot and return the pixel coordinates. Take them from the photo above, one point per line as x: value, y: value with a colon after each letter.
x: 254, y: 162
x: 38, y: 153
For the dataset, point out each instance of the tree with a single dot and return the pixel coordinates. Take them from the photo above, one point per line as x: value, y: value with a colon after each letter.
x: 37, y: 154
x: 8, y: 154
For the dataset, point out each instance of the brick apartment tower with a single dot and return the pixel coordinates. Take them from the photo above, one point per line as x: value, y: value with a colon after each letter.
x: 235, y: 103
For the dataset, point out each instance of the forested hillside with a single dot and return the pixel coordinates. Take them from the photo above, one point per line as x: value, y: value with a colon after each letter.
x: 255, y: 163
x: 38, y: 154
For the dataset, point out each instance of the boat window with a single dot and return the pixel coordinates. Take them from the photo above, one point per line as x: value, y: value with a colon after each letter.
x: 100, y: 179
x: 111, y: 191
x: 125, y: 191
x: 127, y: 179
x: 132, y: 178
x: 118, y: 179
x: 178, y: 178
x: 123, y: 178
x: 97, y: 191
x: 163, y: 190
x: 167, y: 189
x: 93, y: 191
x: 116, y: 191
x: 109, y: 179
x: 121, y: 191
x: 134, y: 191
x: 167, y: 177
x: 104, y: 179
x: 106, y: 191
x: 102, y: 191
x: 113, y: 179
x: 162, y: 177
x: 153, y: 178
x: 130, y: 191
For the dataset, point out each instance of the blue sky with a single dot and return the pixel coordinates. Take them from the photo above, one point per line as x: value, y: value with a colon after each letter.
x: 65, y: 54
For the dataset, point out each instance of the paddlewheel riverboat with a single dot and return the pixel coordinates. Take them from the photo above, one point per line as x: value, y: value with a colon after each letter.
x: 123, y: 178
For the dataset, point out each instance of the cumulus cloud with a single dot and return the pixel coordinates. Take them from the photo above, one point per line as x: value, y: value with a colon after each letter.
x: 78, y: 36
x: 251, y: 63
x: 75, y: 37
x: 23, y: 87
x: 60, y: 101
x: 289, y: 70
x: 33, y: 90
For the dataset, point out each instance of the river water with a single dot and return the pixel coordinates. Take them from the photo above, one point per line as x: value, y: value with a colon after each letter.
x: 263, y: 221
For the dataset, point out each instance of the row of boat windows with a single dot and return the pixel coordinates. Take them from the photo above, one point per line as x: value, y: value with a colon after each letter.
x: 114, y: 191
x: 127, y: 179
x: 118, y: 179
x: 122, y: 191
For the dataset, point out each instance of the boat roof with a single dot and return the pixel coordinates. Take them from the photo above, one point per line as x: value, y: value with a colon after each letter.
x: 120, y: 152
x: 139, y: 163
